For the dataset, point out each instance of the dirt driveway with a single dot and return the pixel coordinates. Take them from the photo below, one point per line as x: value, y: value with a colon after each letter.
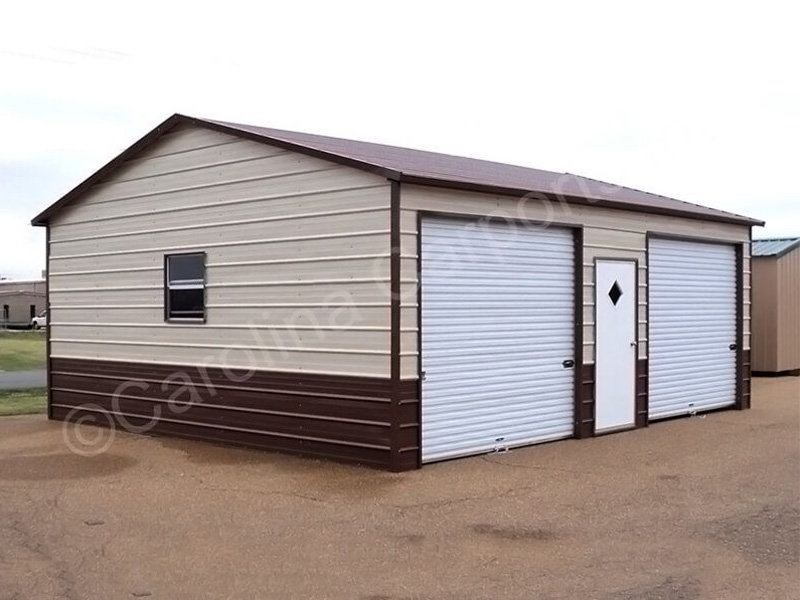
x: 697, y: 508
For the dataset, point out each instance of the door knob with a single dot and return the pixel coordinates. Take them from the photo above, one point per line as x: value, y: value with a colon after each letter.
x: 634, y: 344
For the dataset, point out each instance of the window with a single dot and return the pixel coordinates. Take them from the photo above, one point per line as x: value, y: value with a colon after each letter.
x: 185, y: 287
x: 615, y: 293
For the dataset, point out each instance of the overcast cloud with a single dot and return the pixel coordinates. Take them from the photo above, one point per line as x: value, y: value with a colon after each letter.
x: 700, y: 101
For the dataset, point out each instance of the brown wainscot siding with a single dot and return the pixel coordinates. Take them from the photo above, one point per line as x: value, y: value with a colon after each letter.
x: 642, y: 405
x: 409, y: 455
x: 584, y: 409
x: 743, y: 401
x: 337, y: 417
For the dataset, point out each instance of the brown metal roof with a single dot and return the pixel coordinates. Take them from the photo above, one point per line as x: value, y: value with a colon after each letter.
x: 431, y: 168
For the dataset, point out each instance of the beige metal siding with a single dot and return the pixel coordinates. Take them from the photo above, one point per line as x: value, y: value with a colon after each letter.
x: 297, y: 260
x: 789, y: 311
x: 765, y: 314
x: 776, y: 313
x: 608, y: 233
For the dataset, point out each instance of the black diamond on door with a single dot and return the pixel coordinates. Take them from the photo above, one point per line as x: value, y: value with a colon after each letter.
x: 615, y: 293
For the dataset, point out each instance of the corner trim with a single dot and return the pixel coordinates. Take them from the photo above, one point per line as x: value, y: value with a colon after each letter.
x: 419, y: 337
x: 394, y: 369
x: 48, y: 348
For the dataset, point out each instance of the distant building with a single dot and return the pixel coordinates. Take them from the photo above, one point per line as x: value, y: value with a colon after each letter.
x: 776, y: 305
x: 20, y: 301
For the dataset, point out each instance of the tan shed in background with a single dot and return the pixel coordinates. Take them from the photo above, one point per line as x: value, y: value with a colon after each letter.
x: 776, y: 306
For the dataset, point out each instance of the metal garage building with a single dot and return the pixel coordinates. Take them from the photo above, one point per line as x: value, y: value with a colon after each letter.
x: 776, y: 306
x: 383, y: 305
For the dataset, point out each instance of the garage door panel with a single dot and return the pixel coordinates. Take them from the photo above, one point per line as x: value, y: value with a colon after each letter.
x: 481, y: 358
x: 697, y: 393
x: 511, y: 416
x: 692, y: 315
x: 502, y: 309
x: 516, y: 432
x: 696, y: 351
x: 497, y: 324
x: 695, y: 365
x: 514, y: 345
x: 723, y: 378
x: 500, y: 234
x: 457, y: 389
x: 700, y: 402
x: 519, y: 292
x: 454, y: 380
x: 489, y: 395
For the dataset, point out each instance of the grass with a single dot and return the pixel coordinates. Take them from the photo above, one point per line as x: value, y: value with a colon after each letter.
x: 22, y: 402
x: 22, y: 350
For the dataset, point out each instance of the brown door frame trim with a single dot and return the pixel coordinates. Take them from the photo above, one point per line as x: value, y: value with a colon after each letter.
x: 739, y: 249
x: 578, y: 286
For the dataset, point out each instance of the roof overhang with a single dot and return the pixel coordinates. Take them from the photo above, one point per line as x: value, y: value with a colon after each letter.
x: 43, y: 218
x: 575, y: 200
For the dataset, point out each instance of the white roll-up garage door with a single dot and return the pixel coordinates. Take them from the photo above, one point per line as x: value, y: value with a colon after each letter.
x: 497, y: 326
x: 692, y: 327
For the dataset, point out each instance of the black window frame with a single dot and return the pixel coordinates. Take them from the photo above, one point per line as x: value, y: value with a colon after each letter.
x: 168, y: 318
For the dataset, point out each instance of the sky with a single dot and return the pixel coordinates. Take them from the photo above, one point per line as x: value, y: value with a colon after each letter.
x: 698, y: 101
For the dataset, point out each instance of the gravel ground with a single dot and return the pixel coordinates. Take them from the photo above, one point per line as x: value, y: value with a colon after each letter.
x: 689, y: 509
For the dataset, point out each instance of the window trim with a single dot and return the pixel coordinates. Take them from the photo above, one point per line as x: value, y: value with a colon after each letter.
x: 167, y: 317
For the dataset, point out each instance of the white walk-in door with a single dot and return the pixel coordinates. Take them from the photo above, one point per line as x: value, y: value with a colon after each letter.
x: 616, y: 347
x: 692, y: 327
x: 497, y: 336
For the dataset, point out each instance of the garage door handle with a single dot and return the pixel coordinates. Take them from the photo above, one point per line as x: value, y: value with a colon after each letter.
x: 568, y: 364
x: 732, y: 347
